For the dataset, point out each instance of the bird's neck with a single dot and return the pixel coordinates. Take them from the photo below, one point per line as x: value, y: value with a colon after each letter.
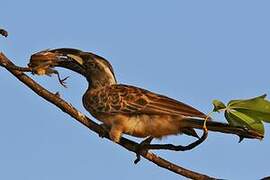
x: 99, y: 81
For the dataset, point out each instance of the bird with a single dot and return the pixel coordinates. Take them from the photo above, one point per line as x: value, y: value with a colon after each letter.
x: 126, y: 109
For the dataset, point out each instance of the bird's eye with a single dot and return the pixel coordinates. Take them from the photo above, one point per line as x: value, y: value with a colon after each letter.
x: 93, y: 65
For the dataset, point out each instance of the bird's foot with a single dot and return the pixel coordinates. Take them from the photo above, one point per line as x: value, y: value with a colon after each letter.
x: 140, y: 148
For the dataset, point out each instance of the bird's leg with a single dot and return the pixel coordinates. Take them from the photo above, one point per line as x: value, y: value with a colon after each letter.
x: 141, y: 147
x: 116, y: 133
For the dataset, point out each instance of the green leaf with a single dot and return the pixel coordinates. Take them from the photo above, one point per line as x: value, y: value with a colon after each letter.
x: 247, y: 113
x: 256, y: 115
x: 237, y: 101
x: 237, y: 118
x: 258, y: 107
x: 218, y: 105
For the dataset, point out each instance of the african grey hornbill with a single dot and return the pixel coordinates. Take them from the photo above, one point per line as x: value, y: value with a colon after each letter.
x: 124, y: 108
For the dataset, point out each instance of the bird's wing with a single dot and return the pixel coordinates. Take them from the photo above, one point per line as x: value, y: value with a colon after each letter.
x: 133, y: 100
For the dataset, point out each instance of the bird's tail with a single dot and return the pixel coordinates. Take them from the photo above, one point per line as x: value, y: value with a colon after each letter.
x: 242, y: 132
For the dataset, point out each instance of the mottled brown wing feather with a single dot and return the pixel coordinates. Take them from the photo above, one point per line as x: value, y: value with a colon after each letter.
x: 134, y: 100
x: 171, y: 106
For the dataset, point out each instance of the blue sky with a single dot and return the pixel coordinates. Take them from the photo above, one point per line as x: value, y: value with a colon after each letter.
x: 193, y: 51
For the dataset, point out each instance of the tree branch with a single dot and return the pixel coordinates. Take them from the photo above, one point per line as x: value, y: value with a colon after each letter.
x: 126, y: 143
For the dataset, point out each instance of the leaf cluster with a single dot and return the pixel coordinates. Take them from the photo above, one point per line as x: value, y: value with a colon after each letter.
x: 247, y: 113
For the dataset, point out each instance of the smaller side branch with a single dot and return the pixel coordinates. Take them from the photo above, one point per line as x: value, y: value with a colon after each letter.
x: 179, y: 147
x: 145, y: 145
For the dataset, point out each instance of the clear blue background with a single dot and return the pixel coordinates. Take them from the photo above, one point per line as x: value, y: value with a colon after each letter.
x: 193, y: 51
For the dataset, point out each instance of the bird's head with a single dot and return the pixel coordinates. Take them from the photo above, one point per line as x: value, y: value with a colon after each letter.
x: 97, y: 70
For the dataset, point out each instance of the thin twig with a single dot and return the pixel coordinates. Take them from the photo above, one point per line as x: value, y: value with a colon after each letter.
x: 145, y: 146
x: 179, y: 147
